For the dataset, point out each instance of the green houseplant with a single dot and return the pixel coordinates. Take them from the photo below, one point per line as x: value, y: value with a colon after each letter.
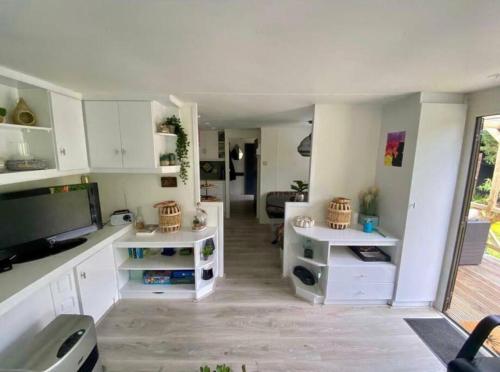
x: 300, y: 187
x: 368, y: 206
x: 182, y: 148
x: 3, y: 114
x: 164, y: 160
x: 207, y: 250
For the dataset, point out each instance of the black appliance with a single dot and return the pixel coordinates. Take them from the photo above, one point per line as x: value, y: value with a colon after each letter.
x: 39, y: 222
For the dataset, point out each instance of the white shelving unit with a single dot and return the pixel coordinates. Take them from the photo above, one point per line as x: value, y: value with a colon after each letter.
x: 343, y: 277
x: 130, y: 270
x: 7, y: 126
x: 166, y: 134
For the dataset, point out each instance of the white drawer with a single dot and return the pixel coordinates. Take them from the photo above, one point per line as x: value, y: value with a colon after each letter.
x: 360, y: 291
x: 362, y: 274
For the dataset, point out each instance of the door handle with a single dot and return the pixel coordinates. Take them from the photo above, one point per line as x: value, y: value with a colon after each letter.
x: 63, y: 151
x: 83, y: 275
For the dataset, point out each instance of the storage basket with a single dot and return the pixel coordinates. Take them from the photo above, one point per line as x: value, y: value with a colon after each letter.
x: 170, y: 216
x: 339, y: 213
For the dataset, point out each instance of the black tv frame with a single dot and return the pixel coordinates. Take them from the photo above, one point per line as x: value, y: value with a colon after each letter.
x: 65, y: 240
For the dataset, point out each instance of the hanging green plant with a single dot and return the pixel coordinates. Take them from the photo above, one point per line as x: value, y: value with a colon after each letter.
x: 182, y: 149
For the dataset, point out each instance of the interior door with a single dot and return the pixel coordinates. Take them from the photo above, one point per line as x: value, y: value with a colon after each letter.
x: 67, y: 115
x: 137, y: 134
x: 97, y: 283
x: 103, y: 134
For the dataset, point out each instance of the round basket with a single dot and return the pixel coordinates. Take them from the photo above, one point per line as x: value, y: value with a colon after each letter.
x: 339, y: 213
x: 170, y: 216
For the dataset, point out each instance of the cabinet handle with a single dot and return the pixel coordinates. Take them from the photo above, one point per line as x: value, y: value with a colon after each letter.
x: 359, y: 293
x: 361, y: 276
x: 117, y: 151
x: 63, y: 151
x: 124, y: 151
x: 83, y: 275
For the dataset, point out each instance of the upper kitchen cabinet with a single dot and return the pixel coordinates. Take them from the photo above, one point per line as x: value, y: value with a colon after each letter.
x: 211, y: 145
x: 122, y: 136
x: 67, y: 116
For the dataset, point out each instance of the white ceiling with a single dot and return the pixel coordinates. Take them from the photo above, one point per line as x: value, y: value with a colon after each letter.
x: 254, y: 62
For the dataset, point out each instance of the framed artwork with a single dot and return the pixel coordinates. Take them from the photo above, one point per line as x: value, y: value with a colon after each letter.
x: 169, y: 182
x: 394, y: 149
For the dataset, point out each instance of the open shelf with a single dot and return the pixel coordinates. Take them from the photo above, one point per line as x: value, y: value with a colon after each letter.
x: 23, y: 127
x: 203, y: 264
x: 343, y: 256
x: 135, y: 286
x: 166, y: 134
x: 159, y: 262
x: 169, y: 169
x: 311, y: 293
x: 311, y: 261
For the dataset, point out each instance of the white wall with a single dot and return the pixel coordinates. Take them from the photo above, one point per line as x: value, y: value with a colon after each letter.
x: 280, y: 162
x: 482, y: 103
x: 343, y: 162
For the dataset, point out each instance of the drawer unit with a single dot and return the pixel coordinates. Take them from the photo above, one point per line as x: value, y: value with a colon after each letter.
x: 363, y: 273
x: 359, y: 291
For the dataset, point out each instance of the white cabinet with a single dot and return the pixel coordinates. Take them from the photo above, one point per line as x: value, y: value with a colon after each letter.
x: 103, y: 134
x: 209, y: 144
x: 122, y: 135
x: 64, y: 295
x: 137, y: 135
x: 67, y: 116
x: 97, y: 285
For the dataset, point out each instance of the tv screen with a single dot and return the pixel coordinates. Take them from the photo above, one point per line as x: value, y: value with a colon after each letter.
x: 47, y: 213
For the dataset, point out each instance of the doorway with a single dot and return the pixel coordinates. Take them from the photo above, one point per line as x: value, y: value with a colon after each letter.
x: 474, y: 285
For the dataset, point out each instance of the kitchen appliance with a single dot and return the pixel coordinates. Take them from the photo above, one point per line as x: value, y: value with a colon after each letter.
x: 67, y: 344
x: 121, y: 217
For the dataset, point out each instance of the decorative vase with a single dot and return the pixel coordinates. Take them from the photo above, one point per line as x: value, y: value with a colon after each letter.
x: 339, y: 213
x: 22, y: 114
x: 2, y: 119
x: 363, y: 218
x: 164, y: 163
x: 299, y: 197
x: 171, y: 128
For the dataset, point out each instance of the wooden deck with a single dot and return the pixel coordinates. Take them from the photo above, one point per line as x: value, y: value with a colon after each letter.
x: 476, y: 295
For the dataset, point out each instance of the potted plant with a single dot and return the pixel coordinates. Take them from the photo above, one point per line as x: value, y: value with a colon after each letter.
x: 164, y: 160
x: 300, y: 187
x: 171, y: 158
x: 208, y: 249
x: 182, y: 148
x: 368, y: 206
x: 3, y: 114
x: 220, y: 368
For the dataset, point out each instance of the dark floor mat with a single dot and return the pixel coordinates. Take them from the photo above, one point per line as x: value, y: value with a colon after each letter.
x: 440, y: 336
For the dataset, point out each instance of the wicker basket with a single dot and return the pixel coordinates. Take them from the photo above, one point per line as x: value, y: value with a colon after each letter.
x: 170, y: 216
x: 339, y: 213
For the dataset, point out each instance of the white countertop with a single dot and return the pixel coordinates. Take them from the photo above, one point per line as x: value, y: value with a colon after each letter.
x: 26, y: 278
x: 184, y: 237
x: 351, y: 236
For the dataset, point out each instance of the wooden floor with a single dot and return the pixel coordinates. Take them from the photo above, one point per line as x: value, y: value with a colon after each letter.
x: 477, y: 294
x: 254, y: 319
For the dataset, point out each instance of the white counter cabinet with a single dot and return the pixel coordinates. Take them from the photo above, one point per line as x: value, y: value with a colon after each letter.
x: 343, y: 278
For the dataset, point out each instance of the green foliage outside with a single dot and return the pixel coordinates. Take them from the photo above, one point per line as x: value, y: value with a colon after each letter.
x: 489, y: 148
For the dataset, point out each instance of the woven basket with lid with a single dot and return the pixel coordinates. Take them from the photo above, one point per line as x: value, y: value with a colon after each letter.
x: 339, y: 213
x: 170, y: 216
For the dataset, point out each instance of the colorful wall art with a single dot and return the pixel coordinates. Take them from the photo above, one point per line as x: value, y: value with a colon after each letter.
x: 394, y: 149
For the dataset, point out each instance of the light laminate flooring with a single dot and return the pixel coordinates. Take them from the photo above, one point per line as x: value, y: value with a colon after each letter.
x: 253, y: 318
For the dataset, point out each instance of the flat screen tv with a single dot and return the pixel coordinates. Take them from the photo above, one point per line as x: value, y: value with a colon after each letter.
x: 40, y: 222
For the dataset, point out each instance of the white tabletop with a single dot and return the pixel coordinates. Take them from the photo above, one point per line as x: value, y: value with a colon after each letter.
x: 351, y: 236
x: 184, y: 237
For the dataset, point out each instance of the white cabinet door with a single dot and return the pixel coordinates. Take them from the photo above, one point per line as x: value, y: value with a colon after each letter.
x: 103, y: 134
x: 69, y: 129
x: 137, y: 134
x: 64, y: 294
x: 97, y: 283
x: 209, y: 145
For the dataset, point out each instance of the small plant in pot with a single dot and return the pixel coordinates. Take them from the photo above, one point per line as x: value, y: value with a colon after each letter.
x: 164, y: 160
x: 3, y: 114
x: 300, y: 188
x: 171, y: 158
x: 208, y: 250
x: 368, y: 206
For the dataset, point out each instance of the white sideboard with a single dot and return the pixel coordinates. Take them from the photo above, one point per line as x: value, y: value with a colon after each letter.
x: 343, y: 278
